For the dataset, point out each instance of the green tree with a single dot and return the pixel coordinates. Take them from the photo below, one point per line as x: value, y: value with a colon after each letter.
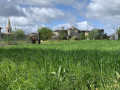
x: 82, y: 36
x: 105, y: 36
x: 97, y: 34
x: 45, y: 33
x: 20, y: 34
x: 92, y: 34
x: 62, y: 35
x: 118, y: 33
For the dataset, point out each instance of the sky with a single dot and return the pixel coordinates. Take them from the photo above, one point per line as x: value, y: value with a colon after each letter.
x: 29, y: 15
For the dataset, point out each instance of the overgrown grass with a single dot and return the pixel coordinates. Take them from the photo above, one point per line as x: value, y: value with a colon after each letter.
x: 65, y: 65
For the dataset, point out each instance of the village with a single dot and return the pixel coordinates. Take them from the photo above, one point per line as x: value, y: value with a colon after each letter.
x: 68, y: 33
x: 61, y: 34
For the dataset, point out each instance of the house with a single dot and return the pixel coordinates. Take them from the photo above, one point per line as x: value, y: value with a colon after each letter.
x: 70, y: 32
x: 33, y: 34
x: 86, y: 32
x: 58, y: 32
x: 73, y: 32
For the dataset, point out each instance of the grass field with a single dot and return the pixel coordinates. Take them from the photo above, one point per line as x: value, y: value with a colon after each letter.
x: 64, y: 65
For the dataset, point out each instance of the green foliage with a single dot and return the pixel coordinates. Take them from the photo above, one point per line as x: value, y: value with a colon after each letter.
x: 82, y: 36
x: 64, y: 65
x: 74, y: 38
x: 17, y: 36
x: 45, y: 33
x: 92, y: 34
x: 118, y: 33
x: 97, y: 34
x: 20, y: 34
x: 62, y: 35
x: 8, y: 38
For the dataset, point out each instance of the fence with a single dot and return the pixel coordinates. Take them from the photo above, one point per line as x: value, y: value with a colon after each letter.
x: 8, y: 39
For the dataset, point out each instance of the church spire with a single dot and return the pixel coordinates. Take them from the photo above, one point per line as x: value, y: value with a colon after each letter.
x: 8, y: 23
x: 8, y: 28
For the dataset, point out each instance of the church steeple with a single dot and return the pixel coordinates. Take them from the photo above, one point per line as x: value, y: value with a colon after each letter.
x: 8, y: 28
x: 8, y: 23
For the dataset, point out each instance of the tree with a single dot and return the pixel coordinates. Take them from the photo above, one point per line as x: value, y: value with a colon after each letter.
x: 62, y: 35
x: 46, y: 33
x: 105, y: 36
x: 97, y: 34
x: 92, y: 34
x: 118, y: 33
x: 74, y: 38
x: 112, y: 37
x: 82, y: 36
x: 20, y: 34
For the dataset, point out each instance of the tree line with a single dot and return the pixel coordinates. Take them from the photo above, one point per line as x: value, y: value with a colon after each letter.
x: 46, y: 34
x: 95, y: 34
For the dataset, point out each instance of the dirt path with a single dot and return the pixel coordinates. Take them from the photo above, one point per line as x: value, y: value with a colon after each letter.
x: 5, y: 45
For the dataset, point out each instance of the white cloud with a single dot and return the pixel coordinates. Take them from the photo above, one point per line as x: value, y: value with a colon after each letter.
x: 104, y: 10
x: 9, y: 9
x: 84, y: 25
x: 45, y: 3
x: 44, y: 15
x: 30, y: 13
x: 110, y: 29
x: 80, y: 25
x: 35, y: 15
x: 66, y: 26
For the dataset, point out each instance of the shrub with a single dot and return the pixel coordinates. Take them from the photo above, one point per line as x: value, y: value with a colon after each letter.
x: 74, y: 38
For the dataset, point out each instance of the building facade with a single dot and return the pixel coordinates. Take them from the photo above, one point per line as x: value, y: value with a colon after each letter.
x: 71, y: 32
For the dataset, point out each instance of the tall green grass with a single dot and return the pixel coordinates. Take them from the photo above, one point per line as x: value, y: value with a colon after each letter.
x: 65, y: 65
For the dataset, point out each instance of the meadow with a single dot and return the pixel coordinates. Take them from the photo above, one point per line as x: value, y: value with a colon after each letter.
x: 64, y: 65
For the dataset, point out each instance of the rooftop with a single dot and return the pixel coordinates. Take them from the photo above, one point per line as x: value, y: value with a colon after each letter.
x: 72, y: 28
x: 59, y: 30
x: 84, y: 30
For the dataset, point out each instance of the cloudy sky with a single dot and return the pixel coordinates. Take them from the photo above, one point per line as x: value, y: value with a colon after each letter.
x: 83, y: 14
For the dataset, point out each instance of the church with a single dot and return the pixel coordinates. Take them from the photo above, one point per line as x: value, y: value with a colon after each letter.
x: 8, y: 28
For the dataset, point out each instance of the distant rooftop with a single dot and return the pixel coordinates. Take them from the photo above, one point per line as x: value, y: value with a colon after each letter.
x: 85, y: 30
x: 72, y: 28
x: 59, y: 30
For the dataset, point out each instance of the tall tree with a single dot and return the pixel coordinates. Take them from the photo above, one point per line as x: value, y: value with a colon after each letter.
x: 100, y: 34
x: 45, y: 33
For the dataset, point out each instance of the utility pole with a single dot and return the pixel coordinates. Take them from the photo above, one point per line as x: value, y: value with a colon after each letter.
x: 15, y: 36
x: 0, y: 35
x: 39, y: 38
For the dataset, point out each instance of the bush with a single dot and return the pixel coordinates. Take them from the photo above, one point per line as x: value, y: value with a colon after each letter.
x: 74, y: 38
